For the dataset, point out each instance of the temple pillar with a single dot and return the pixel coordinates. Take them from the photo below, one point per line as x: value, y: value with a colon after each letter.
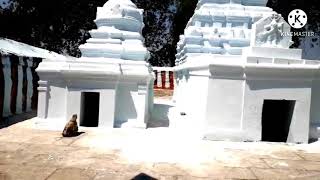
x: 159, y: 79
x: 43, y: 99
x: 19, y: 101
x: 155, y: 84
x: 14, y: 88
x: 141, y: 100
x: 35, y: 79
x: 163, y: 79
x: 29, y: 85
x: 107, y: 113
x: 1, y: 89
x: 73, y: 104
x: 171, y: 80
x: 6, y: 63
x: 24, y: 84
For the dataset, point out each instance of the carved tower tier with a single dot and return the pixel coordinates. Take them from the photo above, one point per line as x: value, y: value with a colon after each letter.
x: 237, y: 79
x: 111, y: 85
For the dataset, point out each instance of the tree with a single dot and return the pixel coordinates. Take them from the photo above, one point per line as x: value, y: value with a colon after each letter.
x: 158, y: 31
x: 62, y: 25
x: 59, y: 25
x: 312, y: 8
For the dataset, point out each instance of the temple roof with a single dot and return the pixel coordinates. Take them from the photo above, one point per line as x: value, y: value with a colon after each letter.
x: 243, y: 2
x: 118, y: 35
x: 112, y: 3
x: 8, y: 46
x: 221, y: 27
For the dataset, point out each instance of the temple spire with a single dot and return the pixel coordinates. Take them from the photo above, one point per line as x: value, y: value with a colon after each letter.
x: 220, y: 27
x: 119, y: 33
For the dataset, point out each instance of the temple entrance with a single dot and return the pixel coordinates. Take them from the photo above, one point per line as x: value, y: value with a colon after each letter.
x: 276, y: 120
x: 90, y: 109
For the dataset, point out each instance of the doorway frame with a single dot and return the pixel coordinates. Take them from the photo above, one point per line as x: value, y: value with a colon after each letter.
x: 82, y: 99
x: 290, y: 109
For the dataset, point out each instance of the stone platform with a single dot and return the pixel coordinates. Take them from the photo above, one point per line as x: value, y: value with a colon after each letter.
x: 160, y: 153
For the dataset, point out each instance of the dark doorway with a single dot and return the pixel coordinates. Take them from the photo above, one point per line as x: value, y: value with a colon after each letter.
x: 276, y: 120
x: 90, y: 109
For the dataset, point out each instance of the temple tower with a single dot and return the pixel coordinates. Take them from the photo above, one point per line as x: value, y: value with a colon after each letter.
x: 120, y: 25
x: 111, y: 85
x: 237, y: 79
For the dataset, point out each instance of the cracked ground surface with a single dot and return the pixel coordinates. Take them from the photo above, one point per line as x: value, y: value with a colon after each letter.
x: 160, y: 153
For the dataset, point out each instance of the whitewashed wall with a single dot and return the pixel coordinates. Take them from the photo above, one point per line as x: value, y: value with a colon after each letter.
x: 224, y: 98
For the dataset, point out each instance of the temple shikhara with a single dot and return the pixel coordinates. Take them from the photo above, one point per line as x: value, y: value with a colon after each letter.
x: 110, y: 85
x: 250, y: 86
x: 239, y: 102
x: 235, y: 77
x: 118, y: 36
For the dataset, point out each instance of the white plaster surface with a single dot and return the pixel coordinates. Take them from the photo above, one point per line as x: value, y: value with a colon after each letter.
x: 220, y: 27
x: 230, y: 76
x: 30, y: 84
x: 300, y: 91
x: 107, y: 111
x: 235, y: 94
x: 119, y: 31
x: 222, y: 78
x: 20, y: 49
x: 159, y: 78
x: 8, y: 83
x: 20, y: 84
x: 42, y: 100
x: 268, y: 32
x: 113, y: 64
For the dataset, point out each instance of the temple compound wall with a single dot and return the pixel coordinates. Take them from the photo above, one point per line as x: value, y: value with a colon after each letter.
x: 18, y: 77
x: 164, y: 78
x: 18, y: 84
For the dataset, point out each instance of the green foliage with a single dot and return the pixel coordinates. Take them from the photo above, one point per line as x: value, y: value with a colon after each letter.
x: 158, y: 30
x: 57, y: 25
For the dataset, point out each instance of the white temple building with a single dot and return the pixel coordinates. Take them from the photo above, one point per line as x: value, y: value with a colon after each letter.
x: 111, y: 85
x: 237, y: 79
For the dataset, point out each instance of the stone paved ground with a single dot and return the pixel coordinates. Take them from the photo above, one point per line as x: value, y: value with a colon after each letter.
x: 161, y: 153
x: 163, y: 93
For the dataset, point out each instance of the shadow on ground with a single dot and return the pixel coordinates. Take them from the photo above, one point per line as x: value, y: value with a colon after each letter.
x: 14, y: 119
x: 143, y: 176
x: 74, y: 135
x: 159, y: 116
